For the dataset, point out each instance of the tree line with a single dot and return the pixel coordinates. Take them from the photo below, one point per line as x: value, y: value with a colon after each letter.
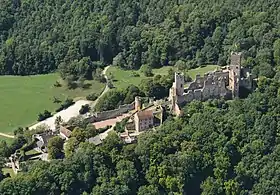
x: 79, y: 36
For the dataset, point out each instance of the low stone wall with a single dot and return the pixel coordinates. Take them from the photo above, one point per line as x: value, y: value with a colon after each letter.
x: 100, y: 116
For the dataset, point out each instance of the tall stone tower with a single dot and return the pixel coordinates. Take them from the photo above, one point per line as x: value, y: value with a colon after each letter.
x: 179, y: 84
x: 234, y: 73
x: 137, y: 103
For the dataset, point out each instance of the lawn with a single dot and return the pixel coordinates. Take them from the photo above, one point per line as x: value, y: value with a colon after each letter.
x: 32, y: 152
x: 22, y: 98
x: 8, y: 140
x: 201, y: 70
x: 124, y: 78
x: 8, y: 170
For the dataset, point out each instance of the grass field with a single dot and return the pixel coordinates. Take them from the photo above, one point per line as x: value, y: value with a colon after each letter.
x: 22, y: 98
x: 124, y: 78
x: 8, y: 170
x: 8, y: 140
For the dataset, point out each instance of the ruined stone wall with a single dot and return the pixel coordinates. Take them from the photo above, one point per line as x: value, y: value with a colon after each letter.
x: 197, y: 83
x: 213, y: 87
x: 100, y: 116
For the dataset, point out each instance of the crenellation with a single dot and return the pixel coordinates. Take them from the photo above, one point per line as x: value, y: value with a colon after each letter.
x: 216, y: 84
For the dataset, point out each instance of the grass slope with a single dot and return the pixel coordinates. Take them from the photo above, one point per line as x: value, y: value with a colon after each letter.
x: 123, y: 78
x: 8, y: 170
x: 22, y: 98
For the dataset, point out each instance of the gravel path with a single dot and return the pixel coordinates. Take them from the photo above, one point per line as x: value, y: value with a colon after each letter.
x: 6, y: 135
x: 106, y: 88
x: 73, y: 110
x: 66, y: 114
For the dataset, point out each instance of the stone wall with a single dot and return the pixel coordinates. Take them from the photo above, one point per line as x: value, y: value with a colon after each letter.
x: 213, y: 87
x: 100, y: 116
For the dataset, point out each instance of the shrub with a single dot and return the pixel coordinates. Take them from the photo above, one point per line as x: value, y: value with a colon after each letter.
x: 84, y: 109
x: 91, y: 97
x: 56, y: 100
x: 188, y: 78
x: 102, y: 130
x: 57, y: 84
x: 147, y: 70
x: 135, y: 74
x: 42, y: 116
x: 66, y: 104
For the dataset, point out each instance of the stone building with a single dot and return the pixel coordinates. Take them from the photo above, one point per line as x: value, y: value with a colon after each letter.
x: 42, y: 140
x: 219, y: 83
x: 144, y: 120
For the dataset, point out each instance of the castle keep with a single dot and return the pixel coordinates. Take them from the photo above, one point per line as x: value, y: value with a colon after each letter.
x: 219, y: 83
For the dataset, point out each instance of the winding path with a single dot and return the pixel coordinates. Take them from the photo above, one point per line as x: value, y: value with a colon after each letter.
x: 106, y: 87
x: 7, y: 135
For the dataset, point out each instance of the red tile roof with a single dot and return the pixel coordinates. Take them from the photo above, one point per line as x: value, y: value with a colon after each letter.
x: 145, y: 114
x: 65, y: 131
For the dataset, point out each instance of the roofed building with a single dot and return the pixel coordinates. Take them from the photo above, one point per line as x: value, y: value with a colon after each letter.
x: 144, y: 120
x: 64, y: 132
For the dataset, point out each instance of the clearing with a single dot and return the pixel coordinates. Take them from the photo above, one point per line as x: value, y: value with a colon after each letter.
x: 124, y: 78
x: 8, y: 170
x: 23, y: 98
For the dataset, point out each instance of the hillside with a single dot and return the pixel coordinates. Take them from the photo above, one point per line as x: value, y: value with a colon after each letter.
x: 37, y: 36
x: 216, y: 147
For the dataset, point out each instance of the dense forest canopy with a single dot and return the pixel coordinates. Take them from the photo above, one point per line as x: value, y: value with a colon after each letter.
x: 40, y: 36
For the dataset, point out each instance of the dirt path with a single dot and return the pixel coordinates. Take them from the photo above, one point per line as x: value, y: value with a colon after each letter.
x: 7, y: 135
x: 106, y: 87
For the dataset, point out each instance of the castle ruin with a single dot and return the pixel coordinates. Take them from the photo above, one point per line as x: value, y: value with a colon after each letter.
x: 217, y: 84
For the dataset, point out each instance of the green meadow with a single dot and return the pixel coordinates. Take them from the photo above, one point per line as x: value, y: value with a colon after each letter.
x: 23, y: 98
x: 124, y: 78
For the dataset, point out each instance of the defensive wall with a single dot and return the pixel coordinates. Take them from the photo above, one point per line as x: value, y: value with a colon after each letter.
x: 100, y: 116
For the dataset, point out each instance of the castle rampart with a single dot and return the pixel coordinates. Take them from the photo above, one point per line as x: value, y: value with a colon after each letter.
x: 216, y: 84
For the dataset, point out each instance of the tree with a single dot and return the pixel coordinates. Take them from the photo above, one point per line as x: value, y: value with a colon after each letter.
x: 127, y: 173
x: 55, y: 147
x: 84, y: 109
x: 42, y: 116
x: 147, y: 70
x: 4, y: 149
x: 181, y: 65
x: 148, y: 190
x: 276, y: 53
x: 70, y: 146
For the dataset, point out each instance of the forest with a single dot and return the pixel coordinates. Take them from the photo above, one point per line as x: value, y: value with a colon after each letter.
x: 76, y: 37
x: 217, y: 147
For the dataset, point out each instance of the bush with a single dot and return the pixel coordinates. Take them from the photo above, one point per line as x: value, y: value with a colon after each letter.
x: 84, y: 109
x: 188, y: 78
x: 66, y: 104
x: 120, y: 126
x: 56, y: 100
x: 147, y: 70
x: 91, y: 97
x: 57, y: 84
x: 102, y: 130
x: 42, y: 116
x: 135, y: 74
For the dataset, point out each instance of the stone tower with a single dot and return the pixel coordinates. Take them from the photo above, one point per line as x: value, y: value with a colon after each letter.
x: 179, y: 84
x: 234, y: 73
x: 137, y: 103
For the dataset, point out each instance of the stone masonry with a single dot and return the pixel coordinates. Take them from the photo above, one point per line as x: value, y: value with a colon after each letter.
x: 217, y: 84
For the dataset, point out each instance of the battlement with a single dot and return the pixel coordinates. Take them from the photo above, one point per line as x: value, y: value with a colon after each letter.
x: 219, y: 83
